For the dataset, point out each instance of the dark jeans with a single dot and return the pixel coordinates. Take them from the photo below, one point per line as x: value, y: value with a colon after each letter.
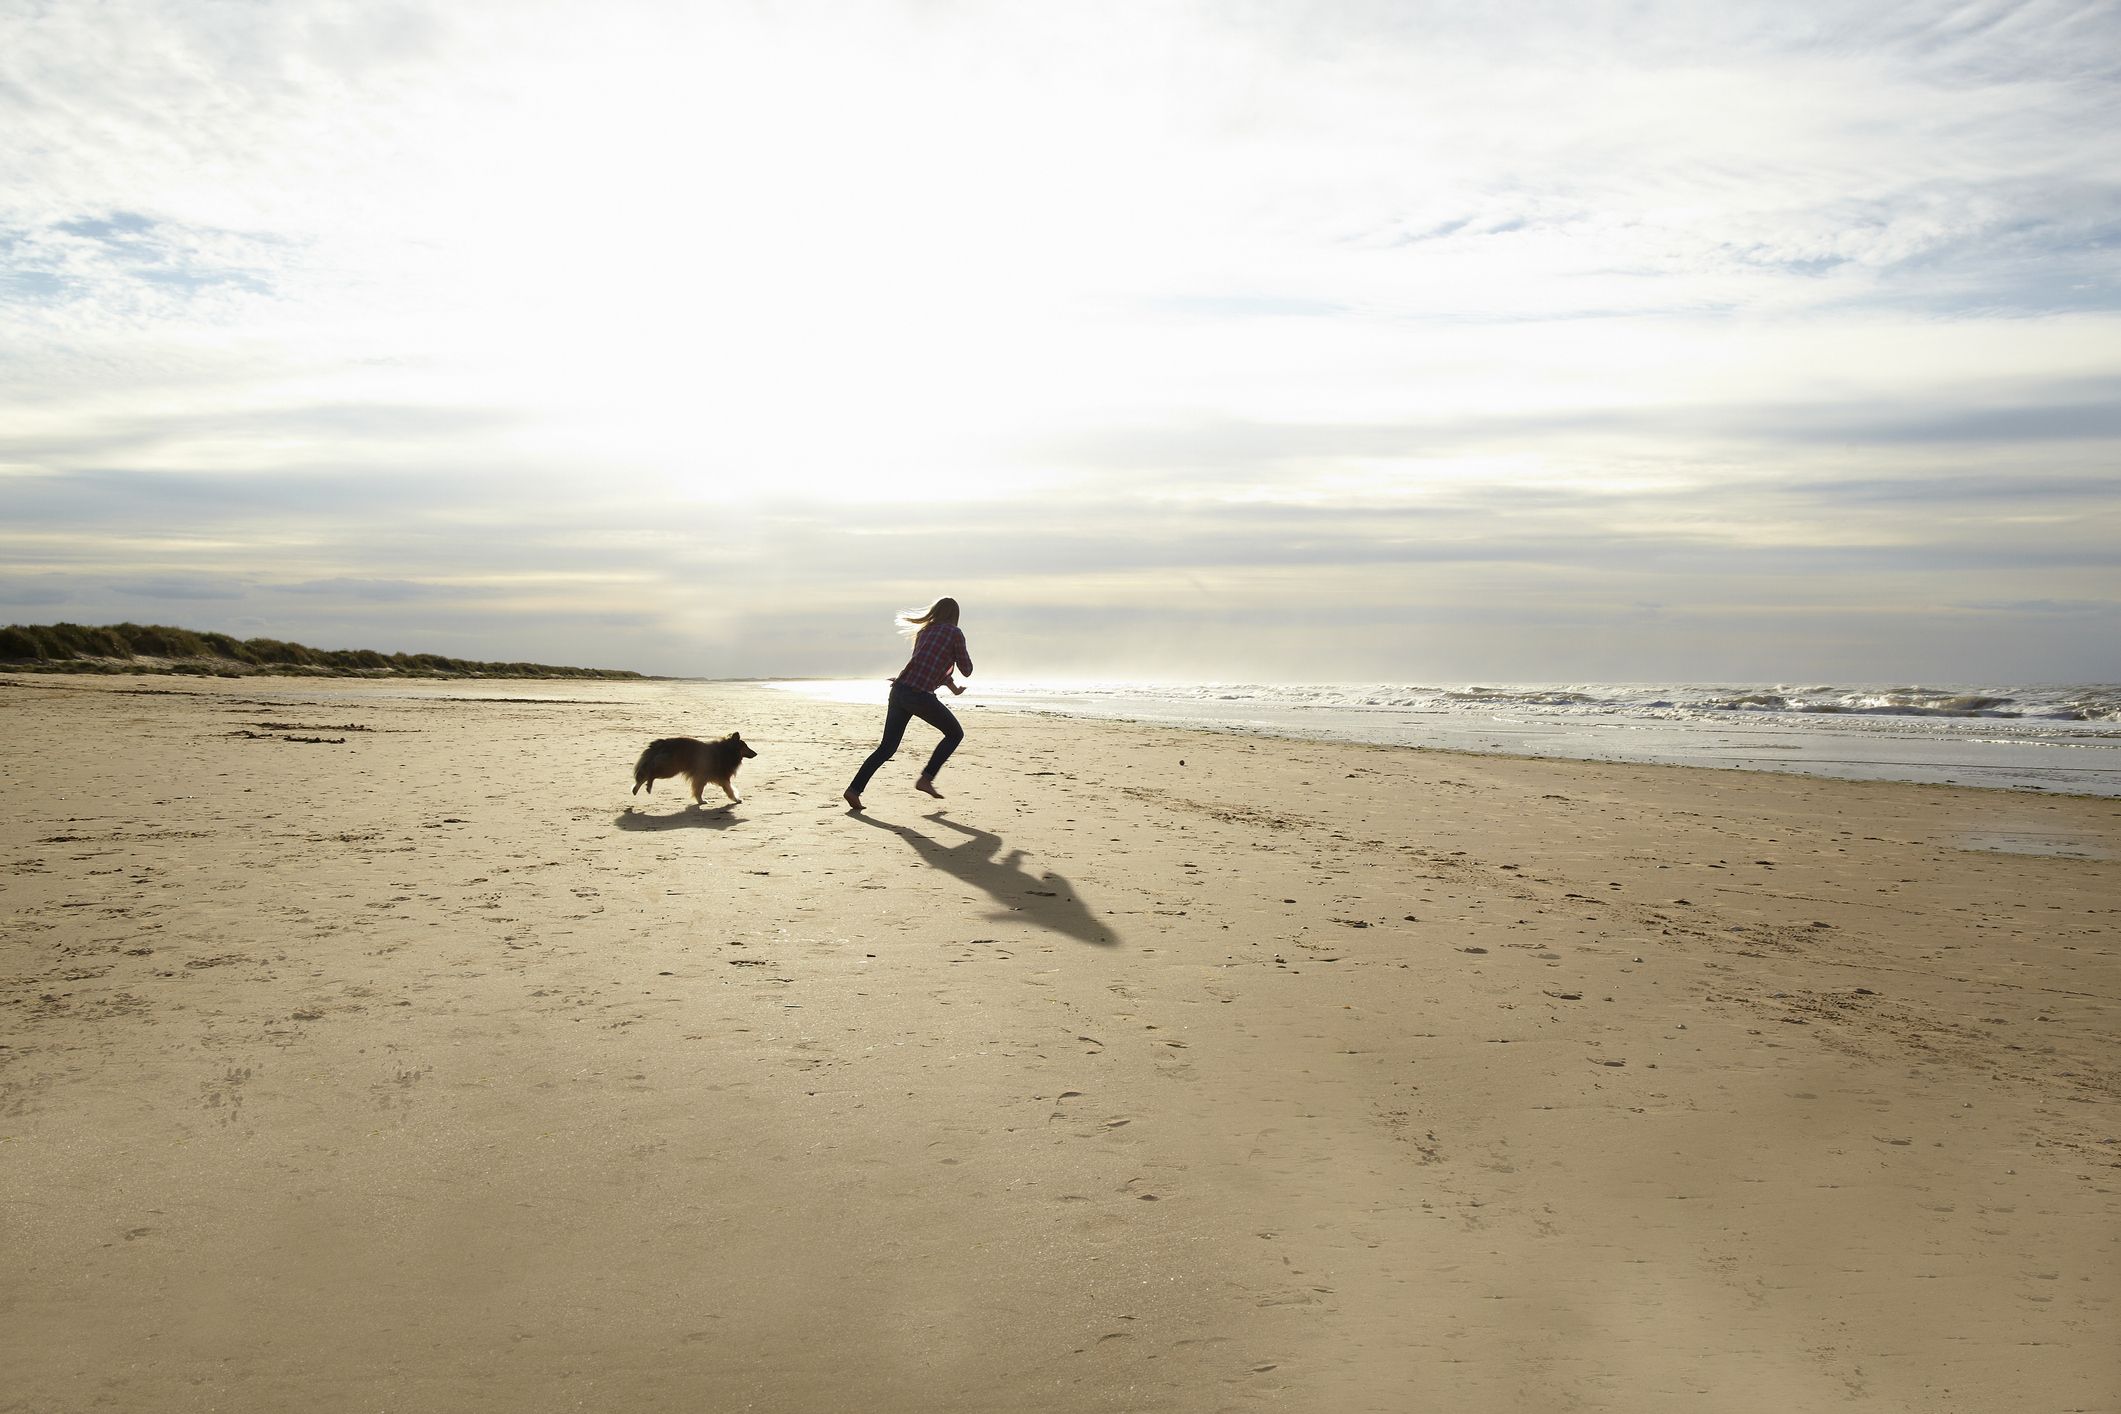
x: 907, y: 703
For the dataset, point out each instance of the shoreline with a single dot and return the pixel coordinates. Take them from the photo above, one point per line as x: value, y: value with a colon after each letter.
x: 1154, y: 1069
x: 1326, y: 739
x: 1745, y: 743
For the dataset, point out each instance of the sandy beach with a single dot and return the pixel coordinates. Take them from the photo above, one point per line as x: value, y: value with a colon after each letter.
x: 371, y: 1048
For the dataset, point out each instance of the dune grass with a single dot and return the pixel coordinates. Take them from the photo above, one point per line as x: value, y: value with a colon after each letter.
x: 138, y: 648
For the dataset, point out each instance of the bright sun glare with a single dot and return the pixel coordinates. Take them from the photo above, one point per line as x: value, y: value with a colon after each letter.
x: 793, y: 306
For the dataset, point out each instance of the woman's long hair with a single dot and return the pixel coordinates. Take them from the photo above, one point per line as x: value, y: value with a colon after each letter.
x: 942, y: 611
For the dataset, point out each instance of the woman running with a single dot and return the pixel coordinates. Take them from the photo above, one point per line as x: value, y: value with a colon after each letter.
x: 937, y: 648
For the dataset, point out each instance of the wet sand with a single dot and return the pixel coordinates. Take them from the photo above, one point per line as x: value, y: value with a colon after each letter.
x: 365, y: 1051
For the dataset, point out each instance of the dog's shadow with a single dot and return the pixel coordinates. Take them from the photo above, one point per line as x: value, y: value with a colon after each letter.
x: 692, y: 817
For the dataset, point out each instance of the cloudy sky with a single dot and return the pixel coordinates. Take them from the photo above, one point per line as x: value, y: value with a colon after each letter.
x: 1408, y: 341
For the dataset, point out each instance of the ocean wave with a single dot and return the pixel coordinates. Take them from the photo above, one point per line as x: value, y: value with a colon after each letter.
x: 2060, y: 703
x: 2009, y: 735
x: 1529, y: 697
x: 2076, y: 704
x: 1749, y: 702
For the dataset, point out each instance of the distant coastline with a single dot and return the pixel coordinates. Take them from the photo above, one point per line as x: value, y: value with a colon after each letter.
x: 160, y: 649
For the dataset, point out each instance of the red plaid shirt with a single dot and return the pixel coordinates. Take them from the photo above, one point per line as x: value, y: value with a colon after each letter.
x: 936, y: 650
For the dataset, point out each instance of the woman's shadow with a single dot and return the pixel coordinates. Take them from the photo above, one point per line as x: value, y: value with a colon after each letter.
x: 1048, y: 899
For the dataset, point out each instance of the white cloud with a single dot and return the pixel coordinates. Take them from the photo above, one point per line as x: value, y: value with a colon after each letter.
x: 533, y: 271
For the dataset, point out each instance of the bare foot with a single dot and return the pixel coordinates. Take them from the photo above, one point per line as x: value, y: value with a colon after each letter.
x: 854, y: 802
x: 927, y: 786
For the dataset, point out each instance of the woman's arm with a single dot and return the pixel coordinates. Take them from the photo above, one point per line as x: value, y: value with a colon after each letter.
x: 964, y: 655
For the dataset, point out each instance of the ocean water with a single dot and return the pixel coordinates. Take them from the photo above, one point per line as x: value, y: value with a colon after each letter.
x: 2058, y: 738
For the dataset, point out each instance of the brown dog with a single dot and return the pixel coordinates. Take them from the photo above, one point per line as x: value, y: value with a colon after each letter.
x: 697, y: 761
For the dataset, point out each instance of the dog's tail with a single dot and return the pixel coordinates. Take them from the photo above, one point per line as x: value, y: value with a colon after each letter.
x: 645, y: 772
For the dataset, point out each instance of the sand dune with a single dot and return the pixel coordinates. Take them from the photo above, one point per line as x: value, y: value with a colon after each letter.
x: 366, y: 1051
